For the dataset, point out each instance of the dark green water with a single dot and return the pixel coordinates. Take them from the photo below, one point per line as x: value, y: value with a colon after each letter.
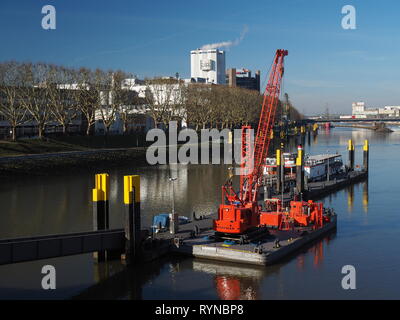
x: 367, y: 236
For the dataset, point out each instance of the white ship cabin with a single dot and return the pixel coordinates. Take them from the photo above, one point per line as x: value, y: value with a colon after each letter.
x: 290, y: 164
x: 317, y: 167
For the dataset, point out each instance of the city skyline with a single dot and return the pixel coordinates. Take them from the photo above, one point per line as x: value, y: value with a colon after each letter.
x: 327, y: 65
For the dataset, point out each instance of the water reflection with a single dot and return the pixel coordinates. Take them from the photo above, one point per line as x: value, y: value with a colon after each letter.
x: 46, y: 205
x: 350, y: 198
x: 365, y: 196
x: 233, y: 282
x: 316, y: 250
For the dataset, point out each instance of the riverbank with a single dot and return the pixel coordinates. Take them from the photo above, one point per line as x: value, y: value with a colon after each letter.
x: 70, y: 154
x: 68, y: 162
x: 70, y: 143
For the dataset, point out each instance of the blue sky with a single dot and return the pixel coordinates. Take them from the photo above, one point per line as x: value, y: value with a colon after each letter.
x: 327, y: 66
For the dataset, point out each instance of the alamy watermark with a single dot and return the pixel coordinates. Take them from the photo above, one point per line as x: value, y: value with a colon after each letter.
x: 349, y: 280
x: 49, y: 20
x: 349, y: 20
x: 49, y: 280
x: 196, y: 147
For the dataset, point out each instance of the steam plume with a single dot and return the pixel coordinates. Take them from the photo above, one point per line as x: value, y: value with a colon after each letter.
x: 226, y: 44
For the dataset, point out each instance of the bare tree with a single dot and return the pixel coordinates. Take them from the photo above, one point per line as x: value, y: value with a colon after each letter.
x: 106, y: 106
x: 60, y: 96
x: 10, y: 107
x: 33, y: 94
x: 120, y: 98
x: 129, y: 112
x: 85, y: 97
x: 176, y: 102
x: 198, y: 105
x: 163, y: 100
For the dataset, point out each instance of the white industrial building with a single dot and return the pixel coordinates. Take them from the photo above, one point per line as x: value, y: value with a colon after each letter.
x: 360, y: 111
x: 208, y: 66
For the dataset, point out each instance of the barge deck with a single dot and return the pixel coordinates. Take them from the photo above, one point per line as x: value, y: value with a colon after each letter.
x: 269, y: 250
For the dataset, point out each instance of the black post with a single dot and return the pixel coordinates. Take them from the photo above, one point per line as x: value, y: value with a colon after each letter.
x: 132, y: 218
x: 366, y: 155
x: 351, y: 155
x: 299, y: 170
x: 278, y: 171
x: 101, y: 208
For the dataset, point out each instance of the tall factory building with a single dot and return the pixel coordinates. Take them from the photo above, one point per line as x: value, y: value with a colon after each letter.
x: 207, y: 66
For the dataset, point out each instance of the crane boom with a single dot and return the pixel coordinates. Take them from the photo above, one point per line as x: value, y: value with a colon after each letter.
x: 267, y: 118
x: 239, y: 213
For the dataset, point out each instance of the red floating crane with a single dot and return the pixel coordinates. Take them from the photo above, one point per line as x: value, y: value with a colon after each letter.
x: 239, y: 215
x: 240, y: 212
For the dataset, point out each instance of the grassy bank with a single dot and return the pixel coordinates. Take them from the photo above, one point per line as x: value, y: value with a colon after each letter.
x: 42, y: 157
x: 69, y: 143
x: 72, y: 163
x: 36, y: 146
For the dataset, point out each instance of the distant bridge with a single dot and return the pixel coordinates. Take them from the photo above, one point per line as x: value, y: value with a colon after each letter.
x: 354, y: 120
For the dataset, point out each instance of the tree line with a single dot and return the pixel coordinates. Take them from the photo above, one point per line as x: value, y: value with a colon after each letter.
x: 46, y: 93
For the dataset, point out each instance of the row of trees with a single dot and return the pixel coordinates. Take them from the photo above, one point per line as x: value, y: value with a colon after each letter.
x: 45, y: 93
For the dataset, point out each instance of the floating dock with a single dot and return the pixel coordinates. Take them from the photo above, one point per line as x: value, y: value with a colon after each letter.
x: 275, y: 245
x: 317, y: 190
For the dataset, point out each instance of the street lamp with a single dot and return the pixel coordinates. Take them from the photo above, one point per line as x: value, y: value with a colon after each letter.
x: 173, y: 221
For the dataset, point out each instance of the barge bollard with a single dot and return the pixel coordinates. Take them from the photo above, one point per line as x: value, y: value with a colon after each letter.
x: 132, y: 217
x: 315, y: 128
x: 300, y: 170
x: 351, y: 155
x: 366, y: 155
x: 101, y: 207
x: 278, y: 171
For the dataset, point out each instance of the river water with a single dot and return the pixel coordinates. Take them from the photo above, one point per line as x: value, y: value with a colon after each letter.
x: 367, y: 235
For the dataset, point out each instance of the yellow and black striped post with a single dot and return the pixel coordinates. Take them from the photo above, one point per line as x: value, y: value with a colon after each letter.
x: 278, y: 171
x: 132, y: 217
x: 366, y: 155
x: 101, y: 195
x: 351, y: 155
x: 300, y: 171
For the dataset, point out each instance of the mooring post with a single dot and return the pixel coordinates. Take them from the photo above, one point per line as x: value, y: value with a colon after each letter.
x: 351, y: 155
x: 101, y: 207
x: 132, y: 217
x: 366, y: 155
x: 299, y: 170
x: 278, y: 171
x: 315, y: 128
